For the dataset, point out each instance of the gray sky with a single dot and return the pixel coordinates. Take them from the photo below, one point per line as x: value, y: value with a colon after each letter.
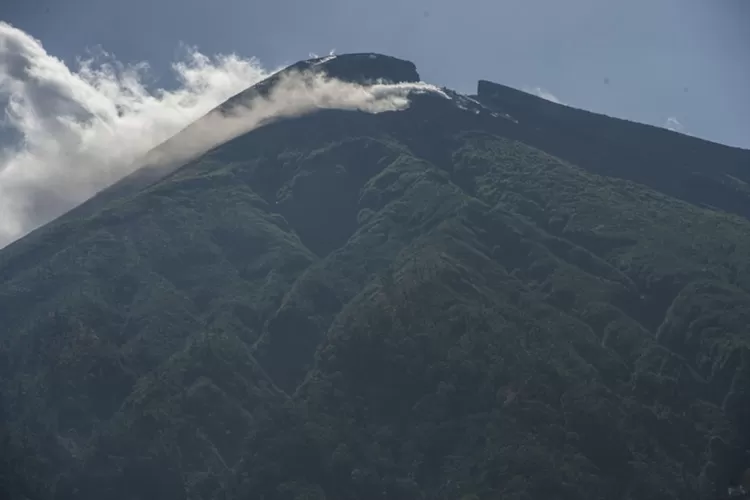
x: 646, y: 60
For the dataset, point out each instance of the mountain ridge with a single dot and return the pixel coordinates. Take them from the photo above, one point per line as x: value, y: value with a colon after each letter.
x: 723, y: 184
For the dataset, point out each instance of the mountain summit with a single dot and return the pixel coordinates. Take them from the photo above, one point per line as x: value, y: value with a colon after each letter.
x: 362, y: 69
x: 467, y: 297
x: 359, y: 70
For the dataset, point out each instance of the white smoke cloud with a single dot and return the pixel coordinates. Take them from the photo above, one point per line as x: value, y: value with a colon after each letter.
x: 295, y: 94
x: 673, y: 124
x: 544, y: 94
x: 73, y: 132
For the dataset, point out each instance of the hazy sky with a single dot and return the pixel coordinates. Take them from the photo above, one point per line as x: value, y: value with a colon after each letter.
x: 647, y: 60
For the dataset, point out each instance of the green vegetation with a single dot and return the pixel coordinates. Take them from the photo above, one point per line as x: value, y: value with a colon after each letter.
x: 408, y: 306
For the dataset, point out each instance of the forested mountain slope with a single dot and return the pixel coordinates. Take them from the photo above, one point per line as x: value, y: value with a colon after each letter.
x: 429, y: 303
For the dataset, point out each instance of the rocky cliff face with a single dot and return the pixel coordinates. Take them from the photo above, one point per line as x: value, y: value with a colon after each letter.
x: 470, y: 298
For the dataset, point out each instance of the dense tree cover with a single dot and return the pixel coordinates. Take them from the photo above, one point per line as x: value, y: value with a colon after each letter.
x: 408, y: 305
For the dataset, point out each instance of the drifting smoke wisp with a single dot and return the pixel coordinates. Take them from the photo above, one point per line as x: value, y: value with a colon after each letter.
x: 68, y: 133
x: 295, y: 94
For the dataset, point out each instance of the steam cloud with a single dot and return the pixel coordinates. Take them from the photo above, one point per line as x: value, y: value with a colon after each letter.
x: 544, y: 94
x: 673, y: 124
x: 68, y: 133
x: 296, y: 94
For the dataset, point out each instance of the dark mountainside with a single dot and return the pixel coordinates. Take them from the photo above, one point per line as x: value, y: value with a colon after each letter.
x: 474, y: 298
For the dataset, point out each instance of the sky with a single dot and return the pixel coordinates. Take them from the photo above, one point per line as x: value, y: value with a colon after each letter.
x: 646, y: 60
x: 680, y: 64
